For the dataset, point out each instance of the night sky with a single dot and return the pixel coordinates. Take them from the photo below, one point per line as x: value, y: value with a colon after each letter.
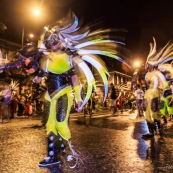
x: 143, y: 19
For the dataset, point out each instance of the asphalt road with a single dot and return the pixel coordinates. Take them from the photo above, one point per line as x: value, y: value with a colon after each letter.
x: 105, y: 144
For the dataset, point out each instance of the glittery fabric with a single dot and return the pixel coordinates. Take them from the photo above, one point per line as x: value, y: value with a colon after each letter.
x: 56, y: 82
x: 61, y: 108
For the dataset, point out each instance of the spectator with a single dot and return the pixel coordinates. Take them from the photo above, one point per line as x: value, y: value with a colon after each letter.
x: 13, y: 107
x: 113, y: 96
x: 120, y: 101
x: 139, y: 95
x: 27, y: 108
x: 21, y: 104
x: 33, y: 107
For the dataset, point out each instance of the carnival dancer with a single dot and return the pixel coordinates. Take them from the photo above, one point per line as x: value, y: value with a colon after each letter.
x: 170, y: 101
x: 155, y: 81
x: 167, y: 102
x: 67, y: 49
x: 163, y: 107
x: 165, y: 56
x: 156, y: 64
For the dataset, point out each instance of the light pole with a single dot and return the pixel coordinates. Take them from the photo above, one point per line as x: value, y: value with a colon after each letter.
x: 36, y: 12
x: 23, y: 35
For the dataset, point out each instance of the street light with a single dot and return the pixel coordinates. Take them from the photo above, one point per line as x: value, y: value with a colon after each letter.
x: 31, y: 35
x: 36, y: 12
x: 137, y: 64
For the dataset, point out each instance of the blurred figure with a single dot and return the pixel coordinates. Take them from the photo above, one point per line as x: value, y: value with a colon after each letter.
x: 166, y: 99
x: 27, y: 105
x: 139, y: 95
x: 33, y: 107
x: 13, y: 106
x: 21, y: 103
x: 113, y: 96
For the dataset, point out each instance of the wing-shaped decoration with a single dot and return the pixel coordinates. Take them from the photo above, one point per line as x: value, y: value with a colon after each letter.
x: 164, y: 55
x: 161, y: 58
x: 102, y: 71
x: 85, y: 44
x: 89, y: 76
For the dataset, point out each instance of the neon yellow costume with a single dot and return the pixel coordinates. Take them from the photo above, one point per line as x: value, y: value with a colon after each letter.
x: 157, y: 82
x: 152, y: 94
x: 63, y: 61
x: 166, y: 101
x: 68, y: 49
x: 65, y: 54
x: 163, y: 106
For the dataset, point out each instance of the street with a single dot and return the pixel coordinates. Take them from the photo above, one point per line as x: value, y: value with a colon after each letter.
x: 105, y: 144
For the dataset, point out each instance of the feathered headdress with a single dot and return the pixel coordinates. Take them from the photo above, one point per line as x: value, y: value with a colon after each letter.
x: 86, y: 45
x: 164, y: 55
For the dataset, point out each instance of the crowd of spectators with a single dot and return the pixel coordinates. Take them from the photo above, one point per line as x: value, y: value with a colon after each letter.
x: 25, y: 105
x: 31, y: 103
x: 117, y: 100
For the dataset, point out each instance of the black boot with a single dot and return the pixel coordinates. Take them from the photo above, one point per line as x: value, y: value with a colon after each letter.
x: 53, y: 151
x: 114, y: 110
x: 151, y: 128
x: 164, y: 120
x: 62, y: 145
x: 159, y: 126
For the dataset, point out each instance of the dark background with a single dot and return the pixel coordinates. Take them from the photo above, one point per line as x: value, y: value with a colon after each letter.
x: 144, y: 19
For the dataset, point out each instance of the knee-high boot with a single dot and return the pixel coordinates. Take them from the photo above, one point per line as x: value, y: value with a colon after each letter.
x: 159, y: 125
x: 151, y: 128
x: 53, y: 149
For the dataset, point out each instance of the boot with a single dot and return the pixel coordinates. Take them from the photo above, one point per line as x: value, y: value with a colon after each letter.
x: 114, y: 110
x: 159, y: 126
x: 53, y: 151
x: 151, y: 128
x: 164, y: 120
x: 62, y: 145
